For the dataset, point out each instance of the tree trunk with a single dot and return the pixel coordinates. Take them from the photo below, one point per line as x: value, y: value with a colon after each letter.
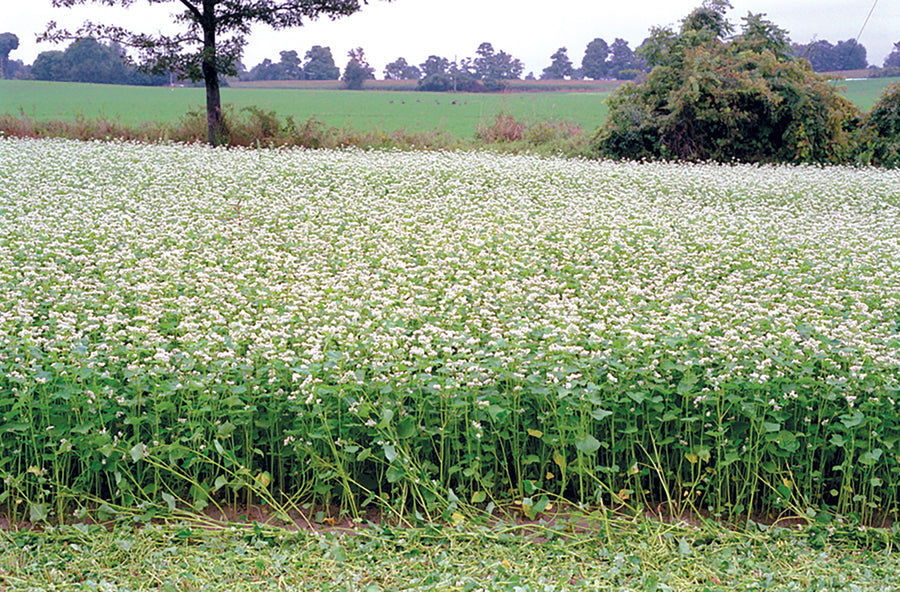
x: 216, y: 130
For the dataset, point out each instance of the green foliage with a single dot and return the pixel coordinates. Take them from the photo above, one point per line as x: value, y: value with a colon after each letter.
x: 399, y: 69
x: 593, y: 65
x: 320, y: 65
x: 880, y: 133
x: 357, y: 70
x: 743, y: 100
x: 8, y: 42
x: 87, y: 60
x: 827, y: 57
x: 412, y: 330
x: 560, y: 66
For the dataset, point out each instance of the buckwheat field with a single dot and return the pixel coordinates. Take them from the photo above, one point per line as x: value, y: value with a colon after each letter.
x: 182, y: 327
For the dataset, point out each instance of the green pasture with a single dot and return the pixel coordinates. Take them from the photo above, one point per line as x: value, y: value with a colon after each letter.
x: 460, y: 114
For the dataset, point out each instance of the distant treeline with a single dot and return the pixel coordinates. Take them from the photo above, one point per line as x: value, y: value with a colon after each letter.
x: 88, y: 60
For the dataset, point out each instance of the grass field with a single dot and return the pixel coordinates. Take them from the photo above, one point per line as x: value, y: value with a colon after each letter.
x: 460, y: 114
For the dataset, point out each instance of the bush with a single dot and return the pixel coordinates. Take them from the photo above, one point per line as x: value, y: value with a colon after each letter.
x: 743, y: 100
x: 880, y: 132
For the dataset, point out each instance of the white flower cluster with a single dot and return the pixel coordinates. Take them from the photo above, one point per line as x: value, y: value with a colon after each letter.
x: 351, y: 267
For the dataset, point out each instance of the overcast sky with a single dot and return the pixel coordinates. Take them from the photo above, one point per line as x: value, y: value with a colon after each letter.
x: 529, y: 30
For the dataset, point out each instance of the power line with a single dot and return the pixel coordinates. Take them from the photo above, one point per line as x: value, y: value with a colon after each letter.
x: 867, y: 21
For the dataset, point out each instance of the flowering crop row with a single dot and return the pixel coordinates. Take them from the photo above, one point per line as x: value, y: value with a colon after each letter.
x: 182, y: 323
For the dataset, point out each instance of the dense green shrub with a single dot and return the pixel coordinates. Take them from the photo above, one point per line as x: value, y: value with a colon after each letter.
x: 745, y: 99
x: 880, y: 134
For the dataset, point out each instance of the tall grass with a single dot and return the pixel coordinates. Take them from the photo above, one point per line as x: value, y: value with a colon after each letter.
x: 188, y: 327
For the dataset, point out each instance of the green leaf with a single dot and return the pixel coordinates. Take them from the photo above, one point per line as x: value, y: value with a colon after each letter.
x: 478, y: 497
x: 386, y: 416
x: 170, y: 501
x: 495, y: 411
x: 541, y: 504
x: 871, y: 457
x: 390, y: 452
x: 770, y: 427
x: 393, y: 473
x: 406, y: 428
x: 138, y: 451
x: 587, y: 444
x: 600, y: 414
x: 851, y: 421
x: 225, y: 429
x: 684, y: 548
x: 37, y: 512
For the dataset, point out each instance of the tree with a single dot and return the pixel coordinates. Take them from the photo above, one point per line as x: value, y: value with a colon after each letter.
x: 290, y: 66
x: 320, y: 64
x: 8, y: 42
x: 850, y: 55
x: 399, y: 69
x: 711, y: 99
x: 212, y: 40
x: 621, y: 58
x: 434, y: 65
x: 893, y: 58
x: 50, y: 65
x: 358, y: 70
x: 560, y: 66
x: 593, y: 64
x: 826, y: 57
x: 87, y: 60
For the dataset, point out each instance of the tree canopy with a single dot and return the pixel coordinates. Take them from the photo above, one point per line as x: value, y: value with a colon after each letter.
x: 212, y: 39
x: 399, y: 69
x: 358, y: 70
x: 88, y: 60
x: 560, y: 66
x: 8, y: 42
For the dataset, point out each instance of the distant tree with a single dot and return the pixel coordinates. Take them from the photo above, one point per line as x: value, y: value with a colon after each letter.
x: 399, y: 69
x: 290, y: 66
x: 265, y: 70
x: 90, y: 61
x: 358, y: 70
x: 50, y: 65
x: 560, y: 66
x: 8, y: 42
x: 320, y: 64
x: 621, y: 58
x: 87, y: 60
x: 436, y: 75
x: 593, y: 65
x: 212, y: 40
x: 435, y: 65
x: 850, y: 55
x: 826, y: 57
x: 893, y: 58
x: 493, y: 66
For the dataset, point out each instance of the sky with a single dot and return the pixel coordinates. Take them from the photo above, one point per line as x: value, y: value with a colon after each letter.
x: 529, y: 30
